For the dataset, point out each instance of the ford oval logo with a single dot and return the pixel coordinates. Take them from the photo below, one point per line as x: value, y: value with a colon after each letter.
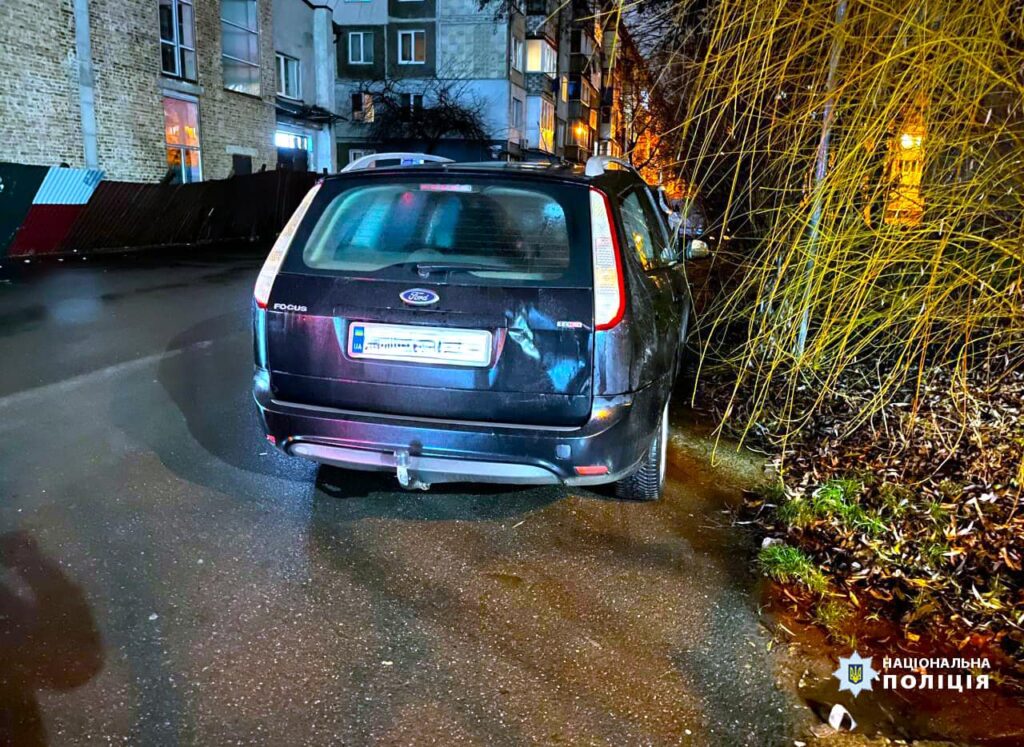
x: 419, y: 297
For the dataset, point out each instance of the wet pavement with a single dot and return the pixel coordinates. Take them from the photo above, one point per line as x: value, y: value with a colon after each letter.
x: 166, y: 577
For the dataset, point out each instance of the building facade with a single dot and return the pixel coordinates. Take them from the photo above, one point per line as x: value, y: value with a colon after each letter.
x: 184, y: 90
x: 542, y: 76
x: 145, y: 90
x: 305, y: 72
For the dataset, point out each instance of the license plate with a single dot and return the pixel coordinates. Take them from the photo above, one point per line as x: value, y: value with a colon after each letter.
x: 399, y: 342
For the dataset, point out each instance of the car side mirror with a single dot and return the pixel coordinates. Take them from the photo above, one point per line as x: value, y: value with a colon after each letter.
x: 698, y: 249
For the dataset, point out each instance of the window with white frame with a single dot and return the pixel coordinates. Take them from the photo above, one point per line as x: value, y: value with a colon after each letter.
x: 289, y: 77
x: 411, y: 102
x: 517, y: 114
x: 547, y: 126
x: 541, y: 57
x: 240, y: 46
x: 356, y: 153
x: 517, y: 54
x: 178, y: 39
x: 412, y: 47
x: 360, y: 47
x: 362, y: 107
x: 291, y: 140
x: 181, y: 137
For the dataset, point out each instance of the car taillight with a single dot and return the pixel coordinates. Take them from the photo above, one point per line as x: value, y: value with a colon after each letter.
x: 609, y: 287
x: 265, y: 282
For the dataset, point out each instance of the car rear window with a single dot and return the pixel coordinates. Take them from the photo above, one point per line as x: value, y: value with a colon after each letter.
x: 482, y: 230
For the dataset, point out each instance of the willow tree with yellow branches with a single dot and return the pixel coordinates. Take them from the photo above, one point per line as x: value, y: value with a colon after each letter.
x: 867, y: 159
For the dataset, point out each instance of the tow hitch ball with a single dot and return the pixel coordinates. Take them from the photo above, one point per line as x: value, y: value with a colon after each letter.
x: 406, y: 480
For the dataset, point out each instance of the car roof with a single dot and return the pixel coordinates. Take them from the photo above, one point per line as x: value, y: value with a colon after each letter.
x: 613, y: 178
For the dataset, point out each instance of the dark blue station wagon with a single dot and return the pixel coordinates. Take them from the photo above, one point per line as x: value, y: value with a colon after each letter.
x: 510, y: 323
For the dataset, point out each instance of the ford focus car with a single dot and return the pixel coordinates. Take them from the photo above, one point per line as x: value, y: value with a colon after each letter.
x: 510, y: 323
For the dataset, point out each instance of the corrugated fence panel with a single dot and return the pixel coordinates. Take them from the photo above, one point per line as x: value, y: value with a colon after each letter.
x: 121, y: 215
x: 59, y: 200
x: 18, y: 187
x: 67, y: 186
x: 43, y: 229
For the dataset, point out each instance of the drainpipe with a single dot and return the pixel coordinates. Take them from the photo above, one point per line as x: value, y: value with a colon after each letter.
x: 323, y: 66
x: 86, y: 84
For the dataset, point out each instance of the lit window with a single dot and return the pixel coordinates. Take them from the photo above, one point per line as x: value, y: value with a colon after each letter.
x: 540, y: 57
x: 362, y: 107
x: 412, y: 47
x: 547, y: 126
x: 181, y: 136
x: 289, y: 77
x: 360, y: 48
x: 240, y: 46
x: 284, y: 139
x: 178, y: 39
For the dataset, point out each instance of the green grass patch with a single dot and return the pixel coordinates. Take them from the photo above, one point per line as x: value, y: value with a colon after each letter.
x: 831, y: 615
x: 790, y: 565
x: 834, y: 499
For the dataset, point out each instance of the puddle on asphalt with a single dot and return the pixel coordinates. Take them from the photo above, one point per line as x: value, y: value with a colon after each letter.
x: 993, y: 717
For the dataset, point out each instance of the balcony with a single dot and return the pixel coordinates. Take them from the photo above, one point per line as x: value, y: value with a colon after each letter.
x: 583, y: 63
x: 576, y: 153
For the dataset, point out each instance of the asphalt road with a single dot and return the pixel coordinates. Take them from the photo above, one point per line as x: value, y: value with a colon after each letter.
x: 171, y: 579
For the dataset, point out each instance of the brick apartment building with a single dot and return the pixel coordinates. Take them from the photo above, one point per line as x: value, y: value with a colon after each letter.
x: 145, y: 90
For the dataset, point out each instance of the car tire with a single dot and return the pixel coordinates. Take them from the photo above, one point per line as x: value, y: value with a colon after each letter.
x: 647, y: 480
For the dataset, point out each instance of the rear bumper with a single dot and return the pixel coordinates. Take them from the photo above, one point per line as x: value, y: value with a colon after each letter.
x: 434, y: 450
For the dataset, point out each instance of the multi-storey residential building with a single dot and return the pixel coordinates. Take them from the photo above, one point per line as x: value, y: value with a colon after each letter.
x: 145, y: 90
x: 533, y: 72
x: 414, y: 58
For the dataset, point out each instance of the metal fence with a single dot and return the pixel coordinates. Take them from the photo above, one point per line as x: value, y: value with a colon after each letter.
x: 123, y: 215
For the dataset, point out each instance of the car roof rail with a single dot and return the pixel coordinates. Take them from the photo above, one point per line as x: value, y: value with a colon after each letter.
x: 370, y: 161
x: 596, y: 165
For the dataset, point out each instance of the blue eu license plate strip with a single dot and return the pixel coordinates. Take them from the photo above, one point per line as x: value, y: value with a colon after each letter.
x: 413, y: 344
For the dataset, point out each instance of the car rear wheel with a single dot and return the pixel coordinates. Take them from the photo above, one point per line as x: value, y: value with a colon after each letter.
x: 646, y: 482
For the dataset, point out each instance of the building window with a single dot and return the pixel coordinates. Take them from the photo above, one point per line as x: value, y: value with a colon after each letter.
x: 517, y: 114
x: 547, y: 126
x: 540, y: 57
x: 356, y: 153
x: 181, y: 136
x: 240, y: 46
x: 411, y: 102
x: 362, y: 107
x: 565, y: 88
x: 289, y: 77
x: 412, y: 47
x: 517, y: 54
x: 285, y: 139
x: 360, y: 48
x: 178, y: 39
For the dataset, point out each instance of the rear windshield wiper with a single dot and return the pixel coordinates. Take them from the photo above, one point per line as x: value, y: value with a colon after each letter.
x: 425, y: 268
